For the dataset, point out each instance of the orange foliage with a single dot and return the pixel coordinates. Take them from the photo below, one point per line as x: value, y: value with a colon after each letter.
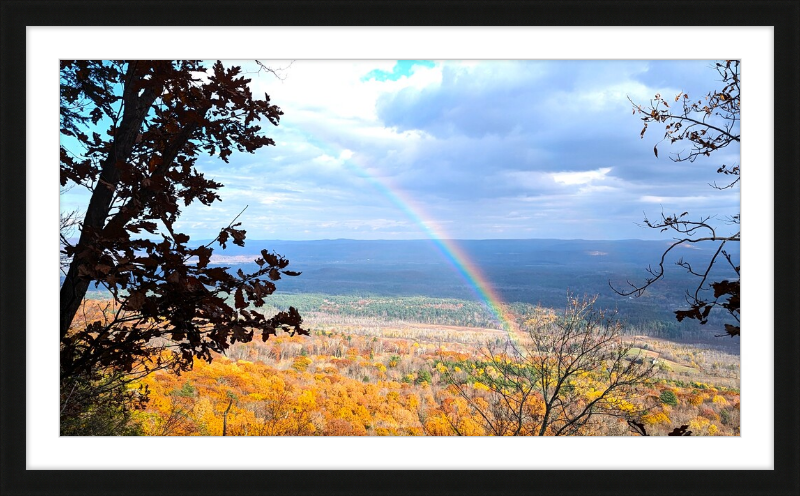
x: 270, y: 402
x: 295, y: 391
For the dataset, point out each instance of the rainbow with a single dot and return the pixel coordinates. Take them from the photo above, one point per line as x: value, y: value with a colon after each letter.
x: 448, y: 248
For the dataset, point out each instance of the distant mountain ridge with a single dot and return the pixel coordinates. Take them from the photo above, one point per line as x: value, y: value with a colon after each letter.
x: 535, y: 271
x: 536, y: 251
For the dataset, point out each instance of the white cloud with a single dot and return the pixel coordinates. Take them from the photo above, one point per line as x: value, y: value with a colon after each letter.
x: 673, y: 200
x: 335, y: 87
x: 582, y: 177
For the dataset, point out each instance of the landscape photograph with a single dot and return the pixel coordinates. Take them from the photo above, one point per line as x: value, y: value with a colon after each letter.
x: 400, y: 248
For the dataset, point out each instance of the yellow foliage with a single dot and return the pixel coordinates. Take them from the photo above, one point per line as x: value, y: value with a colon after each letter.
x: 306, y: 401
x: 301, y: 363
x: 654, y: 418
x: 470, y: 427
x: 696, y: 399
x: 593, y: 394
x: 438, y: 425
x: 699, y: 424
x: 719, y: 400
x: 621, y: 405
x: 287, y: 399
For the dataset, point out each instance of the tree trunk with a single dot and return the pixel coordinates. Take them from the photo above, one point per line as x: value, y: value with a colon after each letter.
x: 135, y: 109
x: 545, y: 419
x: 225, y: 418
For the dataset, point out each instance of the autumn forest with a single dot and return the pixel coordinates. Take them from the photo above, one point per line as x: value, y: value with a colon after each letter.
x: 171, y: 328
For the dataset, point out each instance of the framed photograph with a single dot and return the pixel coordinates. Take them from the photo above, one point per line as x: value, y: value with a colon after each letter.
x: 381, y: 151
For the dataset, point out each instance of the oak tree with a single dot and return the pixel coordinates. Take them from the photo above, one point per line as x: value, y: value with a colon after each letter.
x: 705, y: 125
x: 131, y: 134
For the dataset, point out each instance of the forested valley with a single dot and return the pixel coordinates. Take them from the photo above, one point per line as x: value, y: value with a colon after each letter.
x: 408, y: 366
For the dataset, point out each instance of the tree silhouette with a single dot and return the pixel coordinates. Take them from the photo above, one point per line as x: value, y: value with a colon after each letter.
x: 707, y: 125
x: 132, y: 132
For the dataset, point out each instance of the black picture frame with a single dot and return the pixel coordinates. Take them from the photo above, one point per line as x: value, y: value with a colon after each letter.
x: 16, y: 15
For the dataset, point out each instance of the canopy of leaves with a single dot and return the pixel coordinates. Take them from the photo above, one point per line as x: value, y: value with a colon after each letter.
x: 132, y: 132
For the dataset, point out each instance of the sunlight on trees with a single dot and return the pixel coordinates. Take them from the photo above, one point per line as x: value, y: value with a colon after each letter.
x: 570, y: 372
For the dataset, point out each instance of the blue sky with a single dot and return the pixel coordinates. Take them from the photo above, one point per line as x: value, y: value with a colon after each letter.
x: 470, y: 149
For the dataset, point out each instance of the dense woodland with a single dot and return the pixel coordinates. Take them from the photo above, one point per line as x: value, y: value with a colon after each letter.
x: 641, y: 317
x: 394, y: 366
